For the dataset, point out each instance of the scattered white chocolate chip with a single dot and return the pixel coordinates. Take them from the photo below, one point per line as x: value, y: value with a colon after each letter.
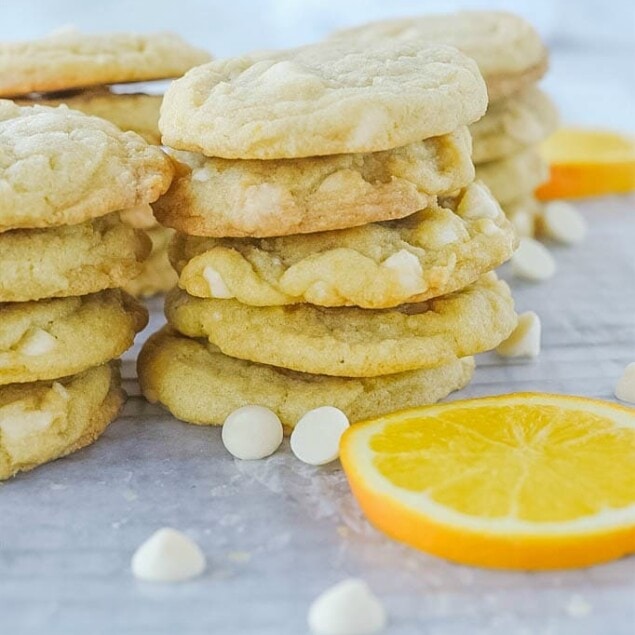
x: 524, y: 340
x: 36, y: 341
x: 408, y: 269
x: 532, y: 261
x: 625, y: 388
x: 217, y: 286
x: 201, y: 174
x: 477, y: 202
x: 168, y: 556
x: 523, y: 222
x: 562, y: 222
x: 252, y: 432
x: 316, y: 437
x: 347, y: 608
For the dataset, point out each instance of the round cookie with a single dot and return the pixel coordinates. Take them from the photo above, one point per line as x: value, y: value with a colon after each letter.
x: 221, y: 197
x: 61, y: 167
x: 352, y: 342
x: 512, y: 124
x: 70, y: 260
x: 157, y: 275
x: 64, y: 336
x: 322, y: 99
x: 507, y: 49
x: 128, y: 111
x: 198, y: 384
x: 514, y: 177
x: 70, y: 59
x: 43, y: 421
x: 431, y: 253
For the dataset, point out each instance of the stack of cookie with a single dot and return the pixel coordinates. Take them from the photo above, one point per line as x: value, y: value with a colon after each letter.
x: 79, y: 70
x: 511, y: 58
x: 64, y: 253
x: 333, y: 248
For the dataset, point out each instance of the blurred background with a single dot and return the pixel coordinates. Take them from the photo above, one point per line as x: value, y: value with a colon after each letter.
x: 592, y: 42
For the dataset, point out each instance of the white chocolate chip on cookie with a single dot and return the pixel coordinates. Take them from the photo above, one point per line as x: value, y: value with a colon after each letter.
x: 36, y: 341
x: 533, y: 261
x: 16, y: 422
x: 525, y: 339
x: 408, y: 270
x: 217, y: 286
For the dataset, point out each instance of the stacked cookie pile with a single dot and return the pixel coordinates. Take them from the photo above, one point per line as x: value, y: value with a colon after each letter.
x: 511, y: 58
x: 333, y: 248
x: 64, y: 254
x: 79, y: 70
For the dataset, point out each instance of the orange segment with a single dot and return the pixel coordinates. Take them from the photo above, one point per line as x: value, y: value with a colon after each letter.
x: 522, y: 481
x: 587, y: 163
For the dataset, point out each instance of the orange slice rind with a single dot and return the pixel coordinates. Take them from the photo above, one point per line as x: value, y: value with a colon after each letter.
x: 587, y: 163
x: 522, y: 481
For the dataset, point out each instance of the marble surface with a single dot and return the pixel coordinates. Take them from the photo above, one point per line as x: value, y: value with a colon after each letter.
x: 277, y: 532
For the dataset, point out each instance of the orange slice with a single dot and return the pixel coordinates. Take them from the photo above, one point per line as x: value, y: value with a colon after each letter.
x: 587, y: 163
x: 521, y: 481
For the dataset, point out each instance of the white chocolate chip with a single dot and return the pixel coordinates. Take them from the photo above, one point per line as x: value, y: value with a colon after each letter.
x: 408, y: 270
x: 625, y: 388
x: 168, y: 556
x: 216, y: 284
x: 525, y: 339
x: 316, y: 437
x: 562, y: 222
x: 477, y: 202
x: 487, y: 227
x: 252, y: 432
x: 16, y: 422
x: 201, y: 175
x: 532, y: 261
x: 36, y: 341
x: 523, y: 222
x: 347, y: 608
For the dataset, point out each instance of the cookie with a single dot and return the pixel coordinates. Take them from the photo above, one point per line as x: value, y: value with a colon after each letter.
x: 512, y: 124
x: 431, y: 253
x: 514, y: 177
x: 128, y: 111
x: 157, y: 275
x: 59, y: 337
x: 198, y: 384
x: 70, y: 260
x: 43, y: 421
x: 71, y: 59
x: 352, y: 342
x: 220, y: 197
x: 61, y: 167
x: 507, y: 49
x: 321, y: 100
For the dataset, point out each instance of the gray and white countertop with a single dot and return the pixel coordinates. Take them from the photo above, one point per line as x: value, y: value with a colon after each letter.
x: 277, y: 532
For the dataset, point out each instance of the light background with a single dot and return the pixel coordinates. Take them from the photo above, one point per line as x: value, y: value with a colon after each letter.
x: 592, y: 76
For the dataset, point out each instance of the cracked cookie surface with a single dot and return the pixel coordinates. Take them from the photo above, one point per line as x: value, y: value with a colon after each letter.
x: 43, y: 421
x: 64, y: 336
x: 323, y: 99
x: 221, y: 197
x: 349, y: 341
x: 431, y: 253
x: 70, y: 260
x: 198, y: 384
